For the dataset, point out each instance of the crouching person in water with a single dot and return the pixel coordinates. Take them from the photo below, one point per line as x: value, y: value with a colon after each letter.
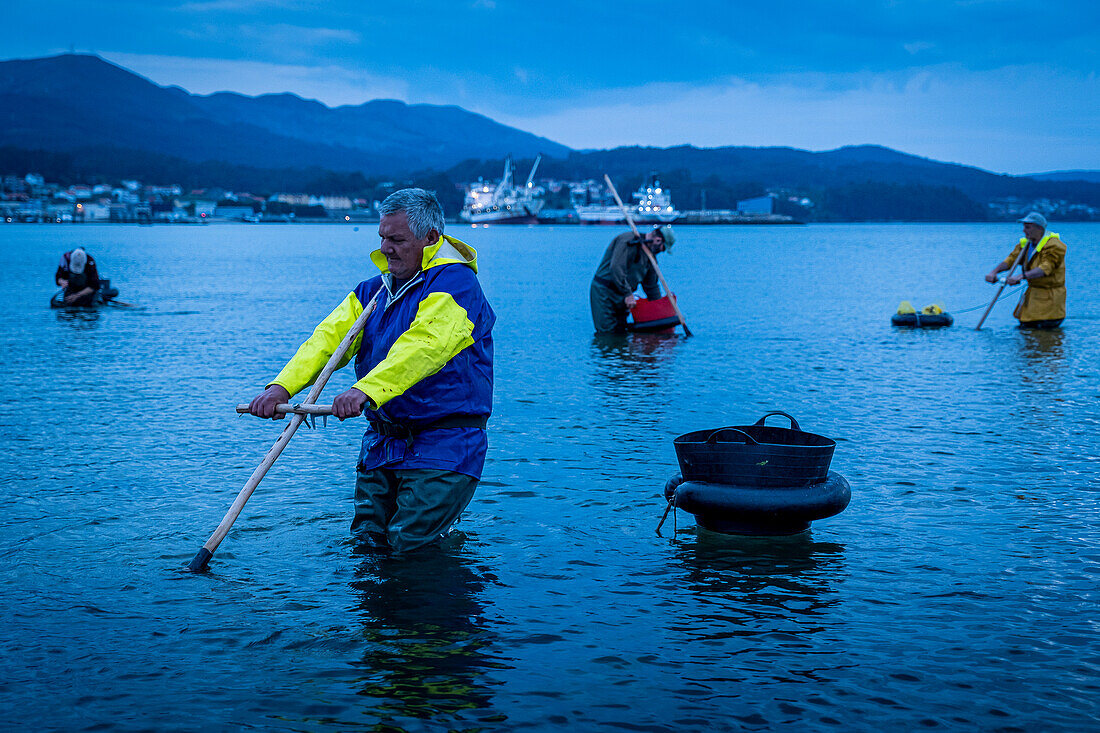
x: 425, y: 368
x: 78, y: 274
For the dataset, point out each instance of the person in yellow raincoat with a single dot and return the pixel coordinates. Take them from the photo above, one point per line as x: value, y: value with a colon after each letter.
x: 1044, y: 268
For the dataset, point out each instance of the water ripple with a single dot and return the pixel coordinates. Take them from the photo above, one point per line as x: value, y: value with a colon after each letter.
x: 958, y: 590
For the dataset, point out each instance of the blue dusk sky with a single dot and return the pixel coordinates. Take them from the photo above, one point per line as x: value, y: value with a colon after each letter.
x: 1005, y: 85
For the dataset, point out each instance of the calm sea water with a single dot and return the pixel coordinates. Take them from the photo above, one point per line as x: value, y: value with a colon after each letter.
x: 958, y: 590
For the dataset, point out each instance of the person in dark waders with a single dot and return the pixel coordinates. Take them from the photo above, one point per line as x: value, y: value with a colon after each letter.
x: 425, y: 368
x: 624, y: 266
x: 1044, y: 268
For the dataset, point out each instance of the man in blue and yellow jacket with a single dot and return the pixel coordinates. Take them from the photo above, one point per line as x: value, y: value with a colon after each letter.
x: 425, y: 368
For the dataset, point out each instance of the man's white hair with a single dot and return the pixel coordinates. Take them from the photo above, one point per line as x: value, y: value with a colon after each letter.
x: 423, y: 209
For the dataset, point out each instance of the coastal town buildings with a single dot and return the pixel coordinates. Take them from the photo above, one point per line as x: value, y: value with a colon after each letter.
x: 30, y: 198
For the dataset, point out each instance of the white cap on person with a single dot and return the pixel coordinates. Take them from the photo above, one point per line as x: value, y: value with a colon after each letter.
x: 77, y: 260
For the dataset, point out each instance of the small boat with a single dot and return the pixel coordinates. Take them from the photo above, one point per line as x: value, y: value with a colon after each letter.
x: 930, y: 316
x: 649, y: 316
x: 922, y: 320
x: 103, y: 296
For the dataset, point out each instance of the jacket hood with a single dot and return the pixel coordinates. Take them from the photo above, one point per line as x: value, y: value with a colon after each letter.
x: 446, y: 251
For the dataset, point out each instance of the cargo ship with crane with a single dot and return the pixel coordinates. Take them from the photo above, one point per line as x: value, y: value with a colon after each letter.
x: 652, y: 204
x: 504, y: 203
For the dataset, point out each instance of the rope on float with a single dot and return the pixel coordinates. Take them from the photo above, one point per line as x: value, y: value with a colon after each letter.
x: 671, y: 505
x: 983, y: 305
x: 968, y: 310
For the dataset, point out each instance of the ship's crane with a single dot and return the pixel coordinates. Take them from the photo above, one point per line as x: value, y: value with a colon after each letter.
x: 506, y: 182
x: 531, y: 175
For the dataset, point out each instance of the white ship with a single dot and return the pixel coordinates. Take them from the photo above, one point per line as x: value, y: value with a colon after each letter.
x: 504, y: 203
x: 652, y: 205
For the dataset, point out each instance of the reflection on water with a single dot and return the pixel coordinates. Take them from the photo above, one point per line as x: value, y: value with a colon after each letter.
x: 625, y: 364
x: 143, y: 310
x: 427, y: 650
x: 761, y: 578
x: 634, y: 349
x: 1040, y: 358
x: 1042, y: 346
x: 81, y: 319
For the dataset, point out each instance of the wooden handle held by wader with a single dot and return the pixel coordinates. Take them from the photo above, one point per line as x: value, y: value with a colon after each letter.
x: 285, y: 408
x: 202, y: 558
x: 652, y: 259
x: 993, y: 302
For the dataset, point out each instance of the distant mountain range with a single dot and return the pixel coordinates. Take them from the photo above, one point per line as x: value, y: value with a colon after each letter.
x: 1090, y: 176
x: 805, y: 170
x: 78, y: 117
x: 73, y: 102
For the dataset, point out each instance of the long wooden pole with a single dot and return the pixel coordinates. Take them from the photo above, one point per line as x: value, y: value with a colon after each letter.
x: 652, y: 259
x: 285, y: 408
x: 202, y: 558
x: 993, y: 302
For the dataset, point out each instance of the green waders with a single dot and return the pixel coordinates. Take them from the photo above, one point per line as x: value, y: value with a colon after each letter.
x: 608, y: 309
x: 409, y: 508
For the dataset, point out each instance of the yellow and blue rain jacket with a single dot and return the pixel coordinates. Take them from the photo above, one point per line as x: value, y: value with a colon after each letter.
x: 425, y: 354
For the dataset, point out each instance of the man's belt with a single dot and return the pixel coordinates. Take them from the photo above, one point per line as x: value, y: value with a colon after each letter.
x: 408, y: 432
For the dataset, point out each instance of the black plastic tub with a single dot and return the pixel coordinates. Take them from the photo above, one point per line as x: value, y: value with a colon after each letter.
x: 755, y: 455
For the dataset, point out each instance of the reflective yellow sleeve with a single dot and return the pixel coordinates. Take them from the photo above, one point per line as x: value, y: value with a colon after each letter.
x: 311, y: 357
x: 440, y: 330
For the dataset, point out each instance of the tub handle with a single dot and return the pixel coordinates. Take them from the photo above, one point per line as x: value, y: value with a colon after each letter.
x: 713, y: 437
x: 794, y: 423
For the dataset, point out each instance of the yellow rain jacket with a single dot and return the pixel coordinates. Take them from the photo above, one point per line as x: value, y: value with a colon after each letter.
x: 1045, y: 298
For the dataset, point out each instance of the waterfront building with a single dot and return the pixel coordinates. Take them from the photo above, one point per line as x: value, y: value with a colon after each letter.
x: 757, y: 205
